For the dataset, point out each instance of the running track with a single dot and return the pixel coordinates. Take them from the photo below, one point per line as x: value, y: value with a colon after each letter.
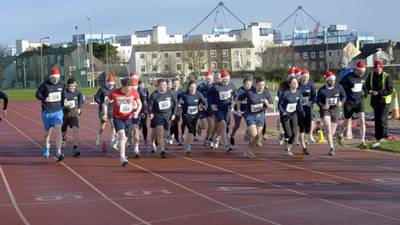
x: 206, y: 187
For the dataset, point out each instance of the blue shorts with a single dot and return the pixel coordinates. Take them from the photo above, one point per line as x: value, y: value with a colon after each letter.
x: 205, y: 114
x: 120, y: 124
x: 257, y: 119
x: 222, y: 115
x: 160, y: 121
x: 50, y: 119
x: 136, y: 121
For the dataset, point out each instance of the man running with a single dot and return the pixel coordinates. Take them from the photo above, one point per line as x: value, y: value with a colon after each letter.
x: 144, y: 95
x: 206, y: 116
x: 258, y: 99
x: 72, y: 109
x: 51, y: 94
x: 5, y: 104
x: 354, y: 85
x: 330, y: 98
x: 102, y: 95
x: 135, y: 136
x: 162, y: 107
x: 126, y: 107
x: 174, y: 130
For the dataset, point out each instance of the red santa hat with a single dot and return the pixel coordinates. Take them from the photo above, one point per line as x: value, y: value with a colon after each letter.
x: 55, y: 72
x: 225, y: 74
x: 329, y: 75
x: 378, y: 64
x: 361, y: 66
x: 111, y: 79
x: 133, y: 75
x: 209, y: 73
x: 291, y: 72
x: 304, y: 73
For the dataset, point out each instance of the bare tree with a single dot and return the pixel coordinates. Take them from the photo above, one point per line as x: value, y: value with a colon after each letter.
x: 4, y: 50
x: 276, y: 57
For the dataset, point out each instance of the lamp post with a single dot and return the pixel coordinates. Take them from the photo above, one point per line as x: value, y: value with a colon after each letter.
x: 91, y: 49
x: 41, y: 55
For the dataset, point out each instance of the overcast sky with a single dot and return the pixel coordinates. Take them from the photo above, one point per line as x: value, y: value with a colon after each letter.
x: 25, y: 19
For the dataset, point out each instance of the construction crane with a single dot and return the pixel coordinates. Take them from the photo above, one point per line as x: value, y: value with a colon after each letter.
x: 218, y: 29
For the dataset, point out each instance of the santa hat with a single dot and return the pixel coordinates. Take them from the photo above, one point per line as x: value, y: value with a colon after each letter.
x: 133, y: 75
x: 297, y: 71
x: 55, y: 72
x: 291, y: 72
x: 135, y: 82
x: 378, y: 64
x: 110, y: 79
x: 361, y: 66
x: 209, y: 73
x: 329, y: 75
x: 224, y: 74
x: 304, y: 73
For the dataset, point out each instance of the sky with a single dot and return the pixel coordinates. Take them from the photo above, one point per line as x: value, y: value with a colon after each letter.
x: 32, y: 19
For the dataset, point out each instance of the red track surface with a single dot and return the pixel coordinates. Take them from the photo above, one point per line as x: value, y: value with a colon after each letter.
x: 207, y: 187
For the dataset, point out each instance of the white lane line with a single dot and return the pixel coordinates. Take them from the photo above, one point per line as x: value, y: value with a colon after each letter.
x: 82, y: 178
x: 11, y: 195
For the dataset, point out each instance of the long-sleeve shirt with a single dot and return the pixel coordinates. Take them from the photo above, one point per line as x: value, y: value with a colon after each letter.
x: 5, y: 99
x: 354, y: 86
x: 378, y: 100
x: 222, y: 96
x: 330, y: 96
x: 101, y: 96
x: 144, y: 97
x: 162, y: 104
x: 290, y: 103
x: 255, y: 101
x: 73, y: 102
x: 309, y: 93
x: 190, y: 103
x: 51, y: 95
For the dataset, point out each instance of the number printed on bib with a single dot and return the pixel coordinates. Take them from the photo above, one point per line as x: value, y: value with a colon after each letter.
x: 291, y: 107
x: 193, y: 110
x: 224, y: 95
x: 331, y: 101
x: 70, y: 104
x: 125, y: 108
x: 166, y: 104
x: 357, y: 87
x: 256, y: 107
x: 305, y: 100
x: 54, y: 97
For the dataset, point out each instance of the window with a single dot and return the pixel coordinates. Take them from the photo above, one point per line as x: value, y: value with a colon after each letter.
x: 313, y: 65
x: 143, y: 68
x: 59, y: 58
x: 296, y: 55
x: 166, y: 67
x: 321, y: 55
x: 313, y: 55
x: 201, y: 53
x: 321, y: 65
x: 248, y: 52
x: 213, y: 53
x: 178, y: 54
x: 225, y: 65
x: 190, y: 66
x: 155, y: 68
x: 142, y: 55
x: 153, y: 55
x: 213, y: 65
x: 225, y: 53
x: 178, y: 66
x: 248, y: 64
x: 305, y: 64
x: 166, y: 55
x: 338, y: 53
x: 202, y: 66
x: 189, y: 54
x: 305, y: 55
x: 329, y: 53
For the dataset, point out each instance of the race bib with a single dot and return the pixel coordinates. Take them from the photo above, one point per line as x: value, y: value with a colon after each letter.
x: 244, y: 101
x: 70, y: 104
x: 125, y: 108
x: 256, y: 107
x: 291, y: 107
x: 224, y: 95
x: 164, y: 104
x: 54, y: 97
x: 357, y: 87
x: 332, y: 101
x: 305, y: 100
x: 193, y: 110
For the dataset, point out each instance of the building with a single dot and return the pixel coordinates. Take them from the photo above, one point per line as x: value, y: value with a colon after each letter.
x: 25, y: 45
x: 187, y: 58
x: 95, y: 38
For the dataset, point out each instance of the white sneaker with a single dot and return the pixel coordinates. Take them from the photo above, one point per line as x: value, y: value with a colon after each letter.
x: 249, y: 154
x: 216, y: 142
x: 114, y: 143
x: 124, y: 162
x: 188, y: 149
x: 98, y: 139
x: 312, y: 139
x: 289, y: 153
x: 153, y: 148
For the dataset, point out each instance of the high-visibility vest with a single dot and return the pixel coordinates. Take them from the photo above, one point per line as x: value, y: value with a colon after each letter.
x: 388, y: 98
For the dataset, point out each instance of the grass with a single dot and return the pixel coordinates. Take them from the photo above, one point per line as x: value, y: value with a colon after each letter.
x: 389, y: 146
x: 29, y: 94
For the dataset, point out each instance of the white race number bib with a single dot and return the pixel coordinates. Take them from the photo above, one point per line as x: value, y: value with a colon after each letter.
x: 332, y: 101
x: 70, y: 104
x: 125, y: 108
x: 256, y: 107
x: 166, y: 104
x: 357, y: 87
x: 291, y: 107
x: 224, y: 95
x: 54, y: 97
x: 305, y: 100
x: 193, y: 110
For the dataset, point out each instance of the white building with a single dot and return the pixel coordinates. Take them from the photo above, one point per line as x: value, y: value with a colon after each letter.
x: 25, y: 45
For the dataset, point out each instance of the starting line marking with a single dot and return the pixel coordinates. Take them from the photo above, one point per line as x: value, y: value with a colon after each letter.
x: 318, y: 183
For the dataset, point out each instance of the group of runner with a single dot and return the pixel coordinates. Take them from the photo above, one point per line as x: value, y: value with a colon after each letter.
x: 207, y: 107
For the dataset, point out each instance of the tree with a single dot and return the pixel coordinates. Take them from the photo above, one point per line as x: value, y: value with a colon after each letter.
x: 4, y: 50
x: 273, y: 57
x: 107, y: 53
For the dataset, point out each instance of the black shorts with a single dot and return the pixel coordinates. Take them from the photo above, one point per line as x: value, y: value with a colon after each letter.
x: 351, y: 107
x: 333, y: 113
x: 120, y: 124
x: 160, y: 121
x: 190, y: 122
x: 70, y: 122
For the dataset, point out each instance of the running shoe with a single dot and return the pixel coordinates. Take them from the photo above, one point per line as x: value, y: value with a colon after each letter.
x: 340, y: 141
x: 289, y: 152
x: 249, y: 154
x: 163, y: 154
x: 153, y: 148
x: 232, y: 140
x: 46, y: 152
x: 331, y: 152
x: 305, y: 151
x: 227, y: 148
x: 98, y: 139
x: 312, y: 139
x: 136, y: 153
x: 281, y: 139
x: 363, y: 145
x: 76, y: 153
x: 188, y: 149
x: 124, y: 162
x: 60, y: 157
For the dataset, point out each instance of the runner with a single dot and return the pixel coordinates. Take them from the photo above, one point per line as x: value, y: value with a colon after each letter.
x: 309, y: 93
x: 126, y: 107
x: 174, y: 130
x: 5, y: 104
x: 72, y: 109
x: 222, y: 95
x: 257, y: 100
x: 99, y: 98
x: 51, y: 94
x: 144, y: 95
x: 162, y: 107
x: 206, y: 116
x: 330, y: 98
x: 192, y: 102
x: 289, y: 106
x: 135, y: 136
x: 354, y: 85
